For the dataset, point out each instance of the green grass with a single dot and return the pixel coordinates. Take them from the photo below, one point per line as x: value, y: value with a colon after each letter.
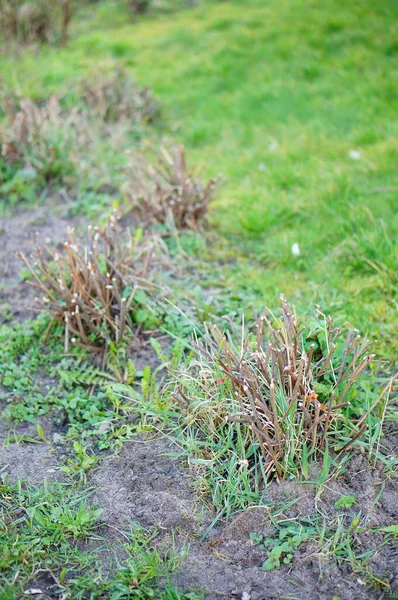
x: 39, y: 531
x: 274, y: 96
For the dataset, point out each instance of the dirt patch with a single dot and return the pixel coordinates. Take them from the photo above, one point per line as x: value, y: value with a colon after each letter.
x: 33, y: 461
x: 146, y: 485
x: 17, y: 233
x: 26, y: 457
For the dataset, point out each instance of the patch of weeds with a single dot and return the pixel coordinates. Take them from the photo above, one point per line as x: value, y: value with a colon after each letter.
x: 27, y: 22
x: 39, y: 147
x: 94, y: 287
x: 343, y: 539
x: 18, y: 183
x: 145, y: 406
x: 186, y: 243
x: 167, y: 191
x: 138, y: 577
x: 75, y: 141
x: 22, y: 359
x: 281, y: 549
x: 138, y: 7
x: 107, y: 407
x: 345, y: 502
x: 39, y: 379
x: 79, y: 463
x: 115, y: 96
x: 38, y: 527
x: 352, y: 541
x: 39, y: 531
x: 264, y: 404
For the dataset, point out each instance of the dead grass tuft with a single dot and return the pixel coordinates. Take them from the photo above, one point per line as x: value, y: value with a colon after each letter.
x: 43, y: 137
x: 91, y: 285
x: 38, y: 21
x: 116, y: 96
x: 138, y: 7
x: 280, y: 396
x: 166, y: 189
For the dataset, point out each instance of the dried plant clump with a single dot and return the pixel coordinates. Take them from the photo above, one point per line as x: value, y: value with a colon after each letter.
x: 167, y: 190
x: 26, y: 22
x: 116, y: 96
x: 91, y: 286
x: 34, y: 21
x: 281, y: 395
x: 59, y: 141
x: 42, y: 137
x: 138, y: 7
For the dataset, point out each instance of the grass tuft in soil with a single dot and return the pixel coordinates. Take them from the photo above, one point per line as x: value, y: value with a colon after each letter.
x: 266, y: 404
x: 92, y: 287
x: 43, y: 532
x: 167, y: 191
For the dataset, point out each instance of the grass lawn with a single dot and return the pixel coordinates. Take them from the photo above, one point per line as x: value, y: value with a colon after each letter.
x: 294, y: 105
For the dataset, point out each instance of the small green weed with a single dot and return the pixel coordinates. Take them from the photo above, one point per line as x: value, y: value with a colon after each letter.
x: 280, y: 550
x: 345, y: 502
x: 144, y: 566
x: 79, y: 463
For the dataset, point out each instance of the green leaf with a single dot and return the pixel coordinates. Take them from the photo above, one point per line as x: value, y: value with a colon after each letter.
x: 158, y: 349
x: 391, y: 529
x: 345, y: 502
x: 40, y: 432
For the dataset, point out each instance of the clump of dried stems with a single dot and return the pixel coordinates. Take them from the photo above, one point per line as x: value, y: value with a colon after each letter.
x: 91, y: 286
x: 166, y: 189
x: 287, y: 388
x: 116, y: 96
x: 29, y: 21
x: 138, y: 7
x: 56, y: 140
x: 42, y: 136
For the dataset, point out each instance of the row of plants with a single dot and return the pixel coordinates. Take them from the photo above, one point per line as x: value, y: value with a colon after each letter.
x: 46, y: 21
x: 61, y: 144
x: 265, y: 398
x: 257, y: 401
